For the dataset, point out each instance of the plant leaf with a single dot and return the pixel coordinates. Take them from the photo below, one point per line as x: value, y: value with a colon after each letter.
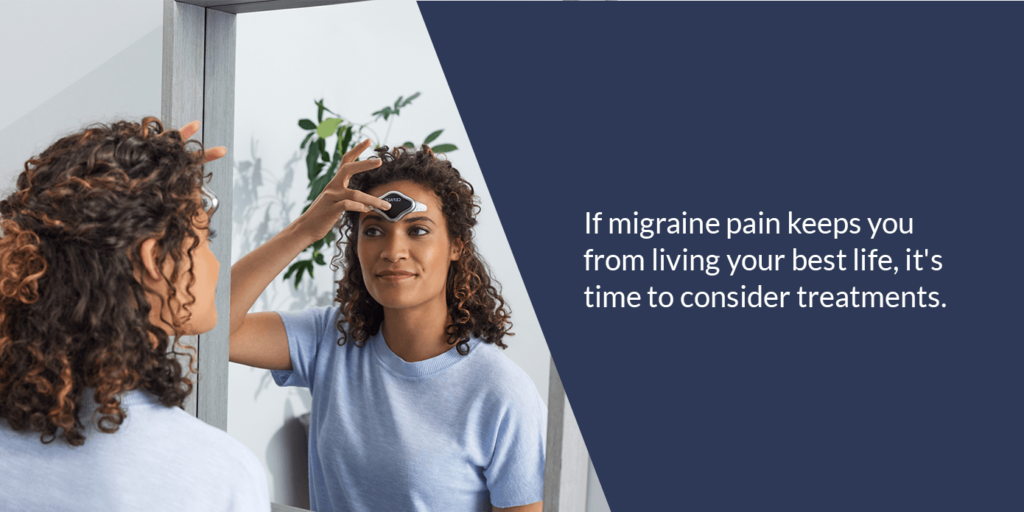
x: 336, y: 161
x: 430, y: 138
x: 320, y: 109
x: 346, y: 140
x: 321, y: 105
x: 327, y: 127
x: 304, y: 141
x: 319, y: 258
x: 444, y: 148
x: 334, y: 164
x: 291, y: 270
x: 321, y: 144
x: 410, y: 98
x: 409, y: 145
x: 311, y: 157
x: 306, y: 124
x: 317, y: 186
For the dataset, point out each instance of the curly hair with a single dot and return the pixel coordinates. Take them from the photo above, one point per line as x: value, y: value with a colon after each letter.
x: 73, y: 315
x: 474, y: 302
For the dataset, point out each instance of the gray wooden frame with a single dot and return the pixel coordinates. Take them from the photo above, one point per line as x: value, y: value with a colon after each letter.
x: 199, y: 83
x: 566, y: 461
x: 243, y: 6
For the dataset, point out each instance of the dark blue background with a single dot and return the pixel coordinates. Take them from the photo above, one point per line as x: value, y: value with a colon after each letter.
x: 723, y: 110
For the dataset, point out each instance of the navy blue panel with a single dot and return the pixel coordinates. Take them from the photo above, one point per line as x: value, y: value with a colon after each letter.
x: 730, y: 109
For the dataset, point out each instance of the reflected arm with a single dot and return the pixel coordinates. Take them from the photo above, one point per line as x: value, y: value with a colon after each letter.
x: 259, y: 339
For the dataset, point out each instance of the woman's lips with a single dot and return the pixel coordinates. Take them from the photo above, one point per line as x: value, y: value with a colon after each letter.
x: 395, y: 276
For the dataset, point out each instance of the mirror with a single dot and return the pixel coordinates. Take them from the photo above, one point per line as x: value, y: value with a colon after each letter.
x: 359, y: 58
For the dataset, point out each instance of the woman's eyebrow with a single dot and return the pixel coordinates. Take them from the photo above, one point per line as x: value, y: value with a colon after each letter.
x: 417, y: 219
x: 372, y: 216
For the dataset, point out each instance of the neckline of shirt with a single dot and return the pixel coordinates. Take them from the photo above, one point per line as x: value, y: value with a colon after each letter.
x: 419, y: 369
x: 135, y: 397
x: 138, y: 397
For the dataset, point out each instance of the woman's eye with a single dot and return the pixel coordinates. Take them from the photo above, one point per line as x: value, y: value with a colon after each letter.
x: 418, y: 231
x: 372, y: 232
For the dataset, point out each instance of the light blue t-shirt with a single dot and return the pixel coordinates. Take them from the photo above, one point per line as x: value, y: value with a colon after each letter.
x: 452, y: 433
x: 161, y: 459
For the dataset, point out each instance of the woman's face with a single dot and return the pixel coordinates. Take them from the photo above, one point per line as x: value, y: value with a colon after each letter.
x: 205, y: 268
x: 405, y: 263
x: 202, y: 315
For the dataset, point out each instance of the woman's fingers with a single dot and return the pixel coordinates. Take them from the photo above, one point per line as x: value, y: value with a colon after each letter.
x: 346, y: 171
x: 369, y: 200
x: 354, y: 153
x: 337, y: 198
x: 351, y: 205
x: 189, y: 130
x: 364, y: 199
x: 210, y: 154
x: 350, y: 167
x: 358, y: 167
x: 215, y: 153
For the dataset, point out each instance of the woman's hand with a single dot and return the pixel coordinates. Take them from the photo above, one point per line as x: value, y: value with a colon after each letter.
x: 337, y: 198
x: 210, y: 154
x: 260, y: 339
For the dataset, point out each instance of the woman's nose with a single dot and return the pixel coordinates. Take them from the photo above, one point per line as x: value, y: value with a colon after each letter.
x: 395, y: 248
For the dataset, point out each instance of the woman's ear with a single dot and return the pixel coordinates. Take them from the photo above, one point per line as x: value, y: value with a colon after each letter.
x: 456, y: 249
x: 147, y: 252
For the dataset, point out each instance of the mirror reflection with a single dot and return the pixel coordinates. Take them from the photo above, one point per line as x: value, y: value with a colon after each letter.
x: 398, y: 323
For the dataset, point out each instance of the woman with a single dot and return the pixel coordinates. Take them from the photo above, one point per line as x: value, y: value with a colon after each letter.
x: 414, y: 407
x: 104, y: 257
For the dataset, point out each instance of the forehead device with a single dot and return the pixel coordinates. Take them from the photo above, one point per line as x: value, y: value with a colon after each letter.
x: 210, y: 201
x: 401, y: 205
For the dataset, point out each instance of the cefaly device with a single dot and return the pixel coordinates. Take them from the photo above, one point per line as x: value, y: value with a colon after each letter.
x: 210, y: 201
x: 401, y: 205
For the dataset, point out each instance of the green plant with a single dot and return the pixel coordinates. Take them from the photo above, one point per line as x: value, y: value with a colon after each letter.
x: 321, y: 164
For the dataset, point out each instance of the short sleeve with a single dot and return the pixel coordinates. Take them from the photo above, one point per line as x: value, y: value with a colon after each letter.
x: 516, y: 474
x: 306, y: 332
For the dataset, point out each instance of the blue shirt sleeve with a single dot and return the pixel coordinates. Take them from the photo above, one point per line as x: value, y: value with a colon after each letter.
x: 516, y: 474
x: 307, y: 330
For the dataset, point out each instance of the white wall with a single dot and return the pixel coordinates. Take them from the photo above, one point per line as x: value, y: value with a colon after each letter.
x: 68, y: 63
x: 359, y: 57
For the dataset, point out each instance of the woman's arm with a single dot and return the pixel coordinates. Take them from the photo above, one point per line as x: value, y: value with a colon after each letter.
x: 259, y: 339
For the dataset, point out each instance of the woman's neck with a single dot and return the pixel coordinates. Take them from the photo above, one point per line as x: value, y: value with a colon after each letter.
x: 417, y: 334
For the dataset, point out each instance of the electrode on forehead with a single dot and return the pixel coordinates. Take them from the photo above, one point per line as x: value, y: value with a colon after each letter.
x: 209, y: 200
x: 401, y: 205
